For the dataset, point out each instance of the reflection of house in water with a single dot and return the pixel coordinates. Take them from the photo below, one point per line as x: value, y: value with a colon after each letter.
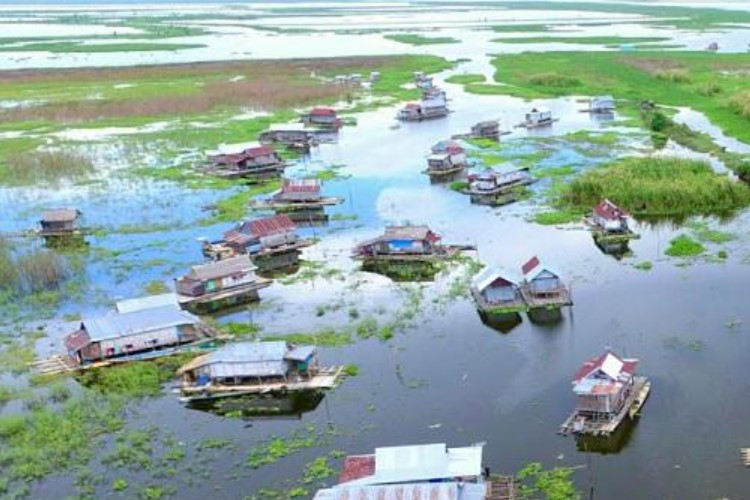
x: 266, y: 406
x: 609, y: 444
x: 428, y: 472
x: 545, y: 317
x: 501, y: 322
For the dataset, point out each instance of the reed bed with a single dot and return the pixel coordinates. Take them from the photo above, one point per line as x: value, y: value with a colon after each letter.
x: 37, y: 270
x: 46, y: 165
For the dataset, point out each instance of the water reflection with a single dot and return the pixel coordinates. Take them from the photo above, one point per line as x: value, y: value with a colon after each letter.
x: 546, y: 318
x: 291, y: 406
x: 611, y: 444
x: 617, y: 249
x: 503, y: 323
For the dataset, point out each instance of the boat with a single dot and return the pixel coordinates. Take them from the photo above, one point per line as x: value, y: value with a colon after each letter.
x: 639, y: 400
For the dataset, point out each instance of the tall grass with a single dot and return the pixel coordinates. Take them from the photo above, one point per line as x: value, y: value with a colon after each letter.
x: 37, y: 270
x: 46, y: 166
x: 740, y: 102
x: 674, y: 75
x: 553, y: 80
x: 658, y: 186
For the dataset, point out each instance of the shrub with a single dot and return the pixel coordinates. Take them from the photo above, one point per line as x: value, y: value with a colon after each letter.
x: 674, y: 75
x: 553, y: 80
x: 683, y: 246
x: 740, y: 103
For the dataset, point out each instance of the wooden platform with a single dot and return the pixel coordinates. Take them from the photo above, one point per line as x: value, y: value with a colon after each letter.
x: 577, y: 423
x: 501, y: 488
x: 325, y: 201
x: 55, y: 365
x: 745, y: 456
x: 265, y: 171
x: 444, y: 252
x: 561, y: 299
x: 444, y: 172
x: 602, y: 236
x: 503, y: 308
x: 326, y: 378
x: 251, y: 288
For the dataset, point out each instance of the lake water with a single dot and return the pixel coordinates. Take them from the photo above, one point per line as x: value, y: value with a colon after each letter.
x: 450, y: 377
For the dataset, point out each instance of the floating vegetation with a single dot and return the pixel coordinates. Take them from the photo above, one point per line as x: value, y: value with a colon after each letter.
x: 279, y: 447
x: 645, y: 265
x: 704, y: 233
x: 136, y: 379
x: 413, y: 39
x: 683, y: 246
x: 555, y: 217
x: 466, y: 78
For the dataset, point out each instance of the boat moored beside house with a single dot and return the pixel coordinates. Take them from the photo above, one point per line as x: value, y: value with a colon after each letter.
x: 542, y: 287
x: 253, y: 368
x: 221, y: 283
x: 607, y: 390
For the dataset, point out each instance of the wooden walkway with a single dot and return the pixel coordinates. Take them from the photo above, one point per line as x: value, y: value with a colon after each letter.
x: 55, y: 365
x: 502, y: 488
x: 581, y: 424
x: 326, y: 378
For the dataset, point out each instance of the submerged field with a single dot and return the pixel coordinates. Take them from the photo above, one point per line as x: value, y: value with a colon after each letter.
x: 125, y: 144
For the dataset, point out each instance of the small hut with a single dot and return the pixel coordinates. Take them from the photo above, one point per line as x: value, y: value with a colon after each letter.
x: 299, y: 190
x: 433, y: 107
x: 607, y: 390
x: 713, y: 47
x: 538, y: 117
x: 489, y: 129
x: 542, y: 287
x: 225, y: 282
x: 609, y: 218
x: 496, y: 188
x: 255, y: 367
x: 374, y: 76
x: 294, y: 135
x: 447, y: 158
x: 604, y: 104
x: 251, y: 161
x: 401, y: 242
x: 323, y: 117
x: 140, y: 334
x: 60, y: 222
x: 496, y: 293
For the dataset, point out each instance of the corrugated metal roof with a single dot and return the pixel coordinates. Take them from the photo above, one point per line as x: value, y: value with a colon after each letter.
x: 487, y: 276
x: 300, y: 186
x: 534, y: 268
x: 145, y: 320
x: 148, y: 302
x: 321, y: 111
x: 300, y: 353
x: 240, y: 264
x: 407, y: 232
x: 60, y: 215
x: 267, y: 226
x: 401, y: 464
x: 245, y: 359
x: 411, y: 491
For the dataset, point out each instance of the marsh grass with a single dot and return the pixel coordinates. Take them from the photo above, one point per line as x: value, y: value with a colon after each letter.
x: 138, y: 379
x: 38, y: 270
x: 657, y: 186
x: 673, y: 75
x: 740, y: 102
x: 48, y: 166
x: 415, y: 39
x: 553, y: 80
x: 684, y: 246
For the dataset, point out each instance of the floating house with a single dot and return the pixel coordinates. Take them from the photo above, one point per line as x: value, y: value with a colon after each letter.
x: 60, y: 222
x: 542, y: 287
x: 489, y: 129
x: 141, y: 334
x: 604, y: 104
x: 426, y: 109
x: 374, y: 76
x: 302, y: 193
x: 256, y: 161
x: 322, y: 117
x: 221, y: 283
x: 496, y: 188
x: 147, y: 302
x: 538, y: 117
x: 713, y: 47
x: 609, y: 225
x: 403, y: 243
x: 607, y: 390
x: 495, y: 293
x: 271, y: 241
x: 294, y: 135
x: 429, y: 471
x: 447, y: 158
x: 253, y: 368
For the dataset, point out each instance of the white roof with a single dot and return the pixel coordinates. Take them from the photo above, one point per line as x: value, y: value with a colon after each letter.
x: 288, y: 127
x: 438, y: 156
x: 148, y: 302
x: 612, y: 366
x: 403, y: 464
x: 486, y: 276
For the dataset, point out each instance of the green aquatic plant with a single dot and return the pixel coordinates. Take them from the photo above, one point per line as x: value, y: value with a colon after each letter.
x: 414, y: 39
x: 644, y: 265
x: 683, y: 246
x: 549, y: 484
x: 555, y: 217
x: 466, y: 78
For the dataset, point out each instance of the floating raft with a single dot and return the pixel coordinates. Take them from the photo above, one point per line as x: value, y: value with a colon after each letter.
x: 745, y: 456
x: 250, y: 290
x: 501, y: 488
x: 504, y: 308
x: 582, y: 424
x: 560, y: 299
x: 602, y: 236
x: 325, y: 378
x: 445, y: 252
x: 326, y: 201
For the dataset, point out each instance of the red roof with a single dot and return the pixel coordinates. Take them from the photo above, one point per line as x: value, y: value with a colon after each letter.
x: 323, y: 112
x: 609, y: 210
x: 259, y: 151
x: 596, y: 362
x: 412, y: 105
x: 77, y: 340
x: 357, y: 467
x: 530, y: 265
x: 267, y: 226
